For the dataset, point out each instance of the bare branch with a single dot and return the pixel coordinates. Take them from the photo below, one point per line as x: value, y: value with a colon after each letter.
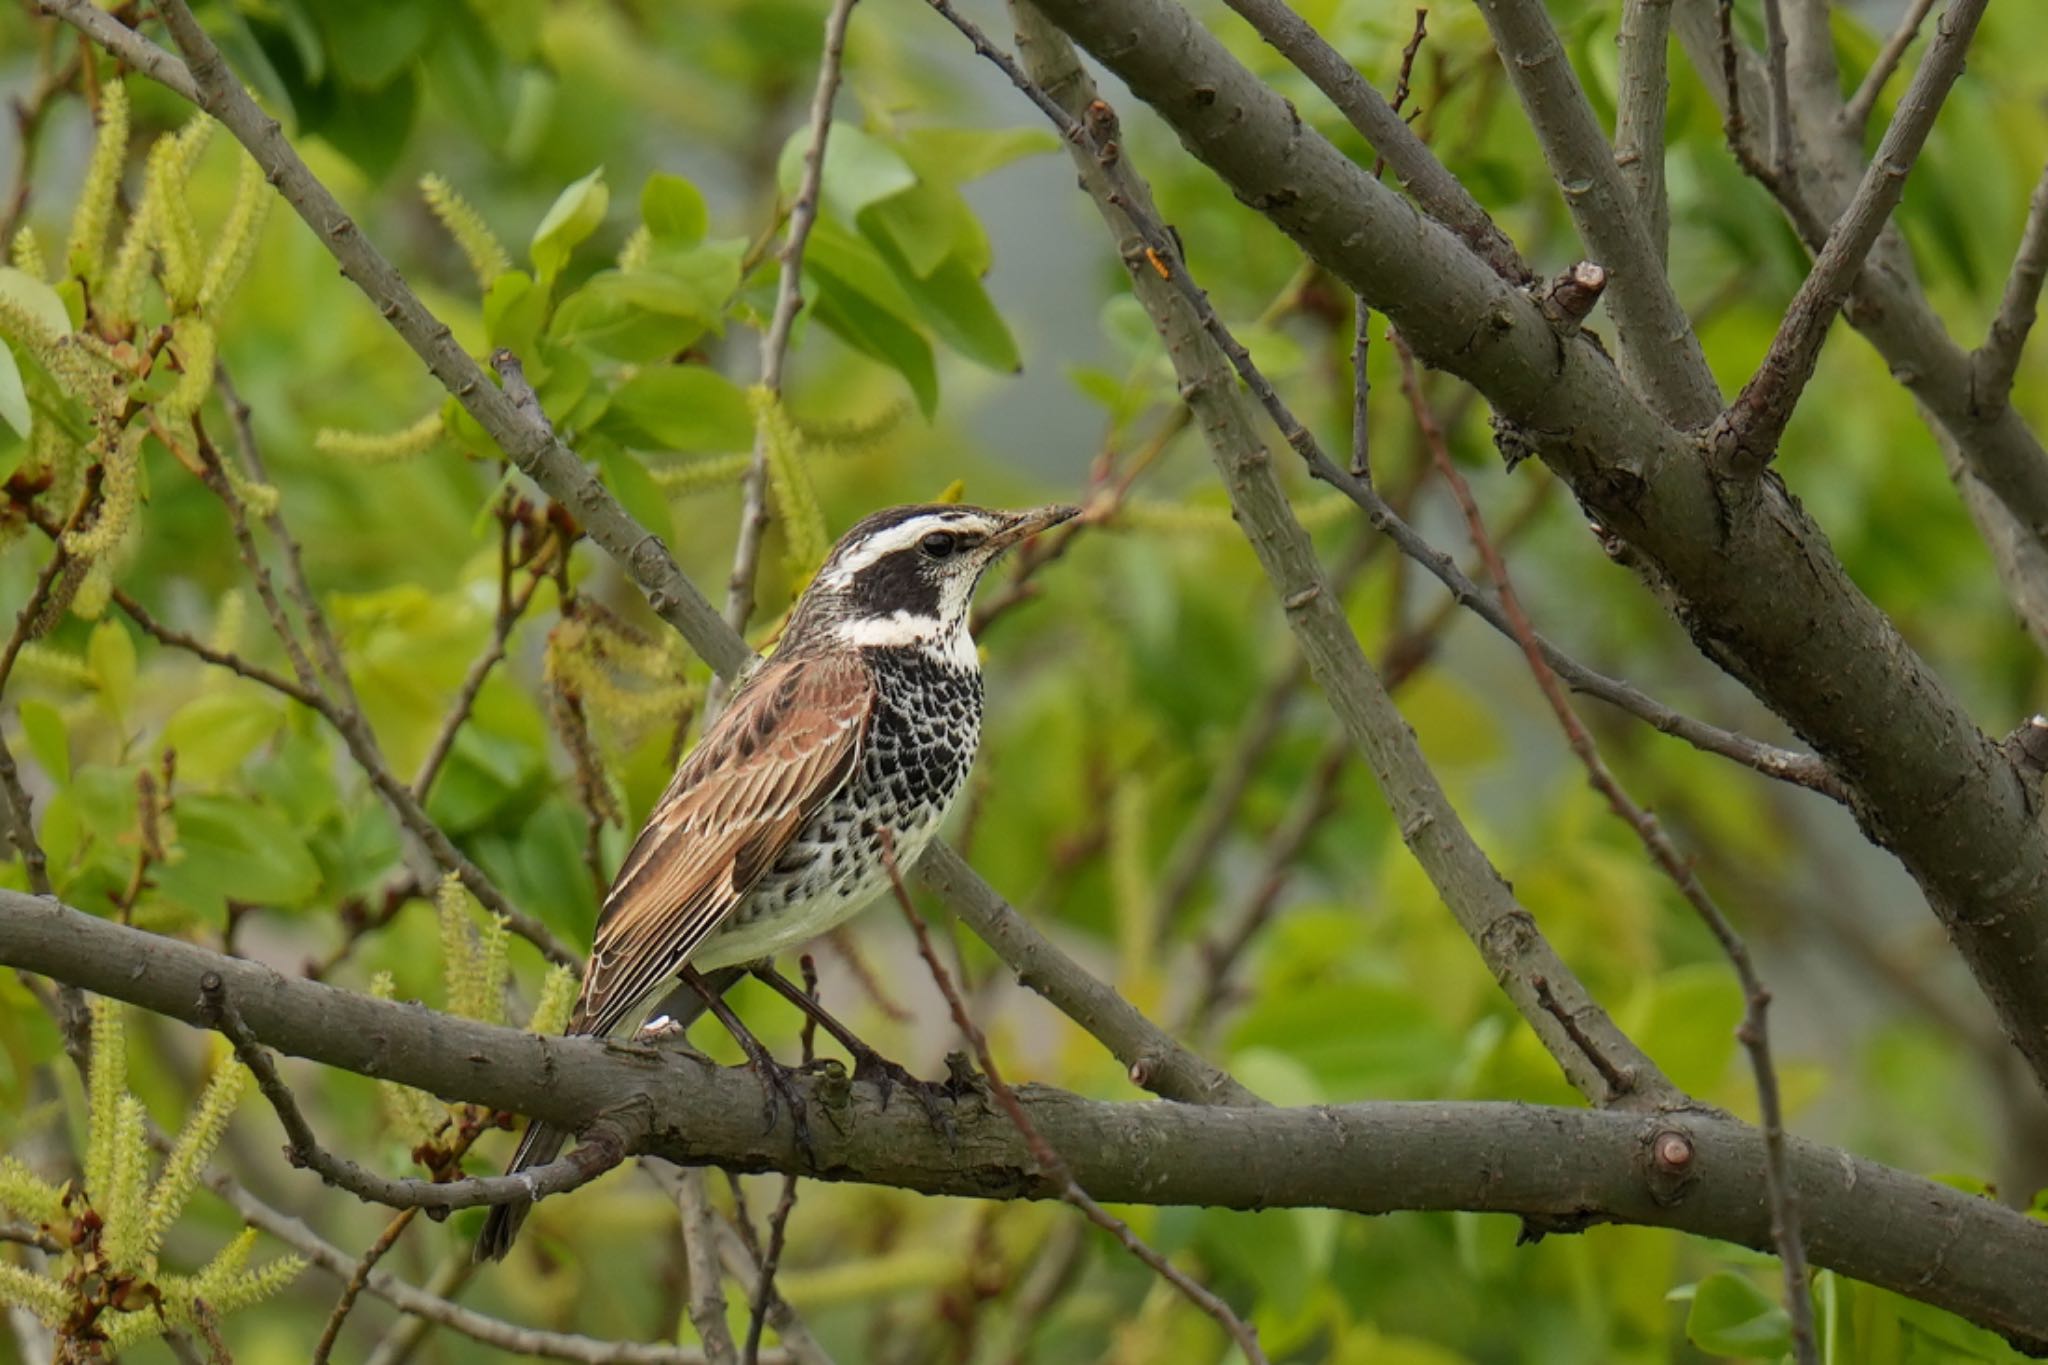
x: 1050, y: 1163
x: 1753, y: 1032
x: 418, y: 1303
x: 1775, y: 65
x: 1746, y: 435
x: 700, y: 1253
x: 1857, y: 112
x: 323, y: 1349
x: 1998, y: 359
x: 1439, y: 192
x: 739, y: 601
x: 606, y: 1142
x: 1660, y: 353
x: 1862, y: 1219
x: 1639, y: 120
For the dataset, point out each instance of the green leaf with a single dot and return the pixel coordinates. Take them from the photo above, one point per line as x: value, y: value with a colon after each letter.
x: 1732, y: 1317
x: 228, y: 846
x: 214, y: 732
x: 13, y: 396
x: 957, y: 155
x: 43, y: 724
x: 879, y: 335
x: 372, y: 40
x: 673, y: 209
x: 926, y: 224
x: 952, y: 301
x: 652, y: 313
x: 111, y: 654
x: 860, y: 169
x: 39, y: 300
x: 680, y: 407
x: 514, y: 310
x: 576, y: 213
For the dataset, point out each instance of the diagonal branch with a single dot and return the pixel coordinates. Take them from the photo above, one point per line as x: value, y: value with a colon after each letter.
x: 1440, y: 193
x: 1746, y: 435
x: 1562, y: 1168
x: 1506, y: 935
x: 1856, y: 113
x: 1998, y: 359
x: 1660, y: 352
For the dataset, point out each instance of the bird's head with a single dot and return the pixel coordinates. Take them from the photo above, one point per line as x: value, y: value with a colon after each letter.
x: 904, y: 576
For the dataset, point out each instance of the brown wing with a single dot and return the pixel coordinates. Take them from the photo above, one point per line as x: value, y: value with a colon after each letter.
x: 785, y: 745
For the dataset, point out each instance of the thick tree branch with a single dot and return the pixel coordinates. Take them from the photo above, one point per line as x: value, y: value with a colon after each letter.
x: 1156, y: 1060
x: 1741, y: 565
x: 1506, y: 935
x: 1696, y: 1172
x: 1660, y: 352
x: 1747, y: 435
x: 1434, y: 188
x: 1998, y: 359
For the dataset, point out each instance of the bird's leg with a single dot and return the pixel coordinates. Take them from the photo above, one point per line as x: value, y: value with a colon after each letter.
x: 868, y: 1064
x: 773, y: 1075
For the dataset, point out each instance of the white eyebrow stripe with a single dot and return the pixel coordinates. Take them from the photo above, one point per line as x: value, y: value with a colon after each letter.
x: 902, y: 536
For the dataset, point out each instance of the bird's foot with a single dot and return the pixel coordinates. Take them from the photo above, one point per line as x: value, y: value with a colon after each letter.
x: 934, y: 1097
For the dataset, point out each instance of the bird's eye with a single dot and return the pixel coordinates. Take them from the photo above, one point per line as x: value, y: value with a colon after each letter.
x: 938, y: 544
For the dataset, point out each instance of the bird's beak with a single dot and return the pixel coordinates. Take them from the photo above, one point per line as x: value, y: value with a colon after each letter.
x: 1024, y: 525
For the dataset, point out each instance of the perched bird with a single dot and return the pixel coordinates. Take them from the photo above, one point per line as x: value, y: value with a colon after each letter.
x: 859, y: 731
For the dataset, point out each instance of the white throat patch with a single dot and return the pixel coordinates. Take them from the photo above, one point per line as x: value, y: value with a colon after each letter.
x: 948, y: 643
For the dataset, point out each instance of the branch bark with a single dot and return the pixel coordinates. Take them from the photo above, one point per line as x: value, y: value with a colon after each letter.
x: 1561, y: 1169
x: 1747, y: 435
x: 1741, y: 565
x: 1998, y: 359
x: 1643, y: 41
x: 1660, y: 352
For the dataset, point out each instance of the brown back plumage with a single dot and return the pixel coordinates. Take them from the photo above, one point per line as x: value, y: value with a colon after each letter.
x: 781, y: 749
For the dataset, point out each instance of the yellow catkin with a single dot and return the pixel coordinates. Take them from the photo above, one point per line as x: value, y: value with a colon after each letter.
x: 460, y: 969
x: 701, y: 476
x: 228, y: 620
x: 487, y: 256
x: 187, y: 1161
x: 40, y: 1295
x: 106, y: 1083
x: 118, y: 492
x: 177, y: 235
x: 494, y: 965
x: 123, y: 1201
x: 25, y: 253
x: 236, y: 246
x: 638, y: 247
x: 52, y: 666
x: 29, y: 1197
x: 803, y: 520
x: 89, y: 600
x: 557, y: 996
x: 365, y: 447
x: 193, y: 344
x: 89, y: 222
x: 860, y: 436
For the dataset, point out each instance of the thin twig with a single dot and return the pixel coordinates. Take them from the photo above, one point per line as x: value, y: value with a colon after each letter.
x: 739, y: 601
x: 350, y: 1292
x: 1753, y: 1031
x: 1049, y: 1161
x: 416, y: 1302
x: 1998, y: 359
x: 608, y: 1141
x: 1745, y: 436
x: 1857, y: 111
x: 778, y: 1219
x: 1776, y: 66
x: 1361, y: 392
x: 700, y: 1253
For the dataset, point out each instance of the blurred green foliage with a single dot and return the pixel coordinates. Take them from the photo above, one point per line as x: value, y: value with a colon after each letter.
x: 600, y: 188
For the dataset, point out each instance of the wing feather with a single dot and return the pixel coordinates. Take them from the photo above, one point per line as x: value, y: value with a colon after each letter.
x: 785, y: 745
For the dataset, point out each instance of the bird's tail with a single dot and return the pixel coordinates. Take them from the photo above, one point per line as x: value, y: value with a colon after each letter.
x: 541, y: 1144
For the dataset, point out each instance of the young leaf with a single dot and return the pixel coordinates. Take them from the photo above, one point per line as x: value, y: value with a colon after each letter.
x: 860, y: 169
x: 1732, y: 1317
x: 673, y: 209
x: 576, y: 213
x: 680, y: 407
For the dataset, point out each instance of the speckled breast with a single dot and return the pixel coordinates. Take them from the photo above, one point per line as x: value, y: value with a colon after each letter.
x: 920, y: 747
